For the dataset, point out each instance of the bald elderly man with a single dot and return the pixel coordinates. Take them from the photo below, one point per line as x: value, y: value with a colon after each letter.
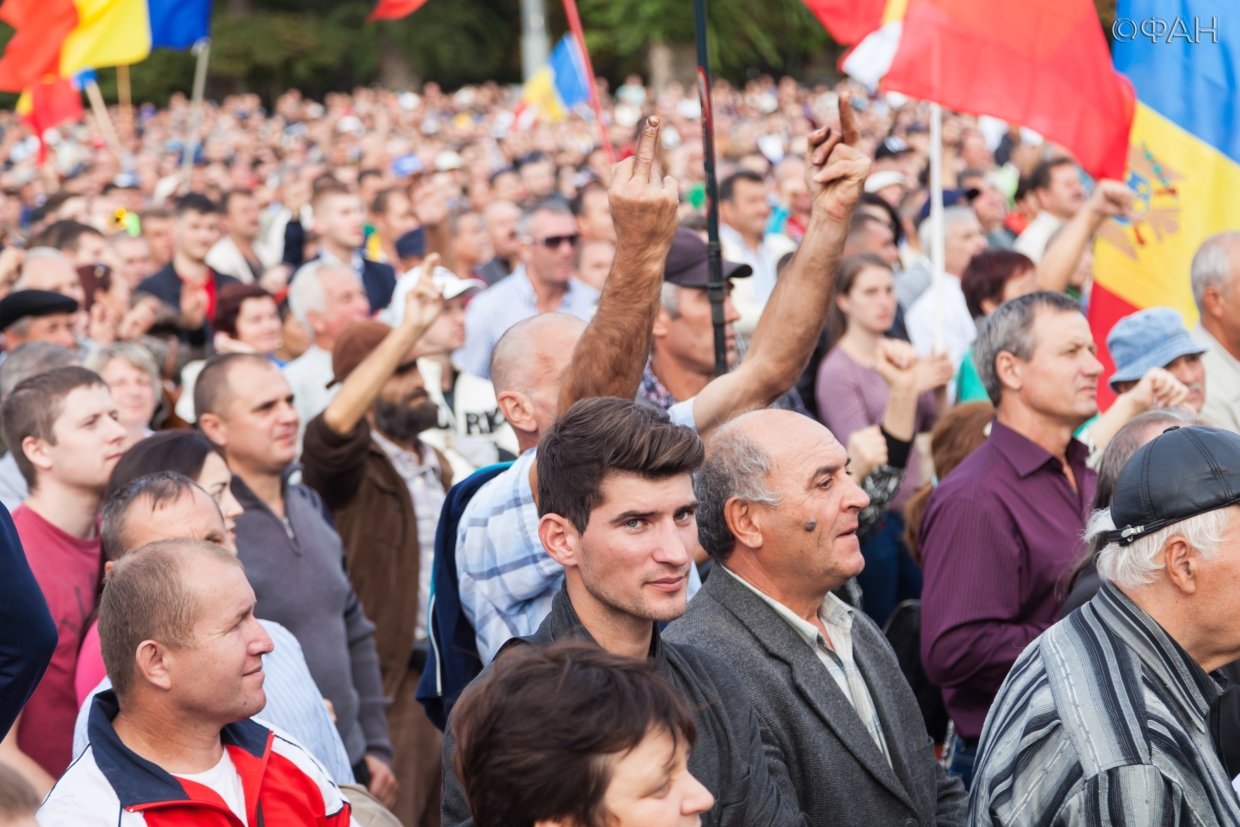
x: 778, y: 511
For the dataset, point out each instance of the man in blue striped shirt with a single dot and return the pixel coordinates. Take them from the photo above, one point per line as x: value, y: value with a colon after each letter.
x: 1103, y: 719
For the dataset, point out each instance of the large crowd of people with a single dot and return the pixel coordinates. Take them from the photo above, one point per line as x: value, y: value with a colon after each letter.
x: 368, y: 462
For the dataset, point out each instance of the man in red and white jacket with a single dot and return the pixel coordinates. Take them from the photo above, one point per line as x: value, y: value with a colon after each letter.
x: 173, y: 743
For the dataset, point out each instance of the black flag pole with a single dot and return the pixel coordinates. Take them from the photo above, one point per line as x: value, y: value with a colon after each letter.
x: 716, y: 288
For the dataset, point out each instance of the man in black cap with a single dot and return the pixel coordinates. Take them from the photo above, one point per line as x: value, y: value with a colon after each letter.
x: 38, y: 316
x: 1103, y: 719
x: 682, y: 361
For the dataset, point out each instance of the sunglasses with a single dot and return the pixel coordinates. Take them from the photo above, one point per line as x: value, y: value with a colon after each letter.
x: 553, y: 242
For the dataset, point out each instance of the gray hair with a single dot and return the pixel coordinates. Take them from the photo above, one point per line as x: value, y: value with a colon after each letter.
x: 1137, y: 564
x: 1212, y: 264
x: 131, y: 353
x: 35, y: 255
x: 31, y: 358
x: 305, y: 292
x: 553, y: 206
x: 1010, y: 329
x: 736, y: 467
x: 669, y: 299
x: 951, y: 216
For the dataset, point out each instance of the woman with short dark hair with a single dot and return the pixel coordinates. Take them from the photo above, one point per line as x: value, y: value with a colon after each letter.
x: 571, y: 735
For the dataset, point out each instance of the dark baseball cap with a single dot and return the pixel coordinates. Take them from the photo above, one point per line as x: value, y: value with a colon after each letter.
x: 26, y: 304
x: 1183, y: 472
x: 688, y: 262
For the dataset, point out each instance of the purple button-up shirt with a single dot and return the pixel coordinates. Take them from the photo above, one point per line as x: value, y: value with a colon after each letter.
x: 998, y: 534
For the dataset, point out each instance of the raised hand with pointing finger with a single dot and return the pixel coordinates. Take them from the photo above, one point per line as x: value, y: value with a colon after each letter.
x: 836, y: 168
x: 643, y: 203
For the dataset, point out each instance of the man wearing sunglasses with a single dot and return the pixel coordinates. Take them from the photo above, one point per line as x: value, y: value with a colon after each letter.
x: 544, y: 282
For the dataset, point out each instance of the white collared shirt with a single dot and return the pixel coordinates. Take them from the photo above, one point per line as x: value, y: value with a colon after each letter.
x: 835, y: 654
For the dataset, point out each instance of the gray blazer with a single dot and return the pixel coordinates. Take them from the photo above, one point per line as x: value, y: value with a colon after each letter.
x: 837, y: 774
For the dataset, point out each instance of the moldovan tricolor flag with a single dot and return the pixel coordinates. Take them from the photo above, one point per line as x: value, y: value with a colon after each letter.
x: 1042, y: 64
x: 557, y: 87
x: 1183, y: 160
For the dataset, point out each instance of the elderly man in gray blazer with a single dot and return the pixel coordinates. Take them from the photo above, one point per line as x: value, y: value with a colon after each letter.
x: 778, y: 512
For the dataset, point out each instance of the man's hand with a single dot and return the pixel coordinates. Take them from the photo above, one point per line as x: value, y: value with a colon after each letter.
x: 193, y: 306
x: 1110, y: 199
x: 1157, y: 389
x: 643, y: 206
x: 867, y: 450
x: 383, y: 784
x: 836, y: 169
x: 424, y: 302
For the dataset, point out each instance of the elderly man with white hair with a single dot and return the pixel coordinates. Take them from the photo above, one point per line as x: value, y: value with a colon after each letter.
x: 1215, y: 278
x: 940, y: 319
x: 1103, y: 719
x: 326, y: 298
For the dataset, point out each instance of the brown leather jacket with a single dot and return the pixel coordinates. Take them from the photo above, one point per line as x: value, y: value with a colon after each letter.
x: 374, y: 514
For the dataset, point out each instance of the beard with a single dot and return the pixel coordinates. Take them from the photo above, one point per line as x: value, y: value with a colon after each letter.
x: 402, y: 420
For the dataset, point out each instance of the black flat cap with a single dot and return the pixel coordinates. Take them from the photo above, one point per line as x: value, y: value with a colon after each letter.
x: 1180, y: 474
x: 25, y: 304
x: 688, y: 262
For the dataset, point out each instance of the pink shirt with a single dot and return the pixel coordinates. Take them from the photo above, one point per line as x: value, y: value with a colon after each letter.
x: 67, y: 569
x: 90, y: 669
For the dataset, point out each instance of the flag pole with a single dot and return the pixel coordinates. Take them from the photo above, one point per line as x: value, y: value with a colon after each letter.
x: 100, y: 109
x: 936, y: 250
x: 716, y: 288
x: 124, y: 96
x: 574, y: 25
x: 202, y: 49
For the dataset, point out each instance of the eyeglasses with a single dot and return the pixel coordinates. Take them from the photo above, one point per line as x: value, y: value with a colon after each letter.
x: 553, y: 242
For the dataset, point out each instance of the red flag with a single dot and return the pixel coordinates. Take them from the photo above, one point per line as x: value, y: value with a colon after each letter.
x: 848, y: 21
x: 53, y: 102
x: 34, y: 50
x: 1043, y: 64
x: 394, y: 9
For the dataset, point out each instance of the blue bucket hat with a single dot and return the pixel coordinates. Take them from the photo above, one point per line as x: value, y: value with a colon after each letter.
x: 1150, y: 338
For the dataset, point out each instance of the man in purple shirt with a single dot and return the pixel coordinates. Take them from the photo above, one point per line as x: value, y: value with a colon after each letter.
x: 1002, y: 528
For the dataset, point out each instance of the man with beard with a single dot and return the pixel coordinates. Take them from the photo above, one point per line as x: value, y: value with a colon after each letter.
x: 385, y: 488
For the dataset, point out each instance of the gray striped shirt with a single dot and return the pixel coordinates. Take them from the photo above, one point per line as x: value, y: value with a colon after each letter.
x: 1102, y: 721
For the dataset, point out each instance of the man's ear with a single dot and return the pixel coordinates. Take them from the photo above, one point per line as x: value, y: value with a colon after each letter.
x: 35, y: 450
x: 1182, y: 563
x: 662, y: 319
x: 151, y: 664
x: 744, y: 522
x: 560, y: 538
x: 1009, y: 370
x: 518, y: 410
x: 213, y: 428
x: 1212, y: 301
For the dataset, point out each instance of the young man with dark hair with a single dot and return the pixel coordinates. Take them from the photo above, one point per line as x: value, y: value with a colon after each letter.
x: 744, y: 208
x: 187, y: 284
x: 1056, y: 186
x: 339, y: 220
x: 293, y: 556
x: 236, y: 253
x: 617, y: 511
x: 62, y: 428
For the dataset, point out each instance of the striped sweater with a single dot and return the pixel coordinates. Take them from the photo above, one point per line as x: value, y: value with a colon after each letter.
x: 1102, y: 721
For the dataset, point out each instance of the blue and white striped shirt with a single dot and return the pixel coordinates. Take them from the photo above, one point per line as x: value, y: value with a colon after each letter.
x: 294, y: 705
x: 508, y: 301
x: 1103, y: 721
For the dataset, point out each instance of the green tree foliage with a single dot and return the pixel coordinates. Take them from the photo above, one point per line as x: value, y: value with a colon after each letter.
x: 743, y: 34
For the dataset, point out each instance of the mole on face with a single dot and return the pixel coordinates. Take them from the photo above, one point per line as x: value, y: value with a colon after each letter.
x: 810, y: 525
